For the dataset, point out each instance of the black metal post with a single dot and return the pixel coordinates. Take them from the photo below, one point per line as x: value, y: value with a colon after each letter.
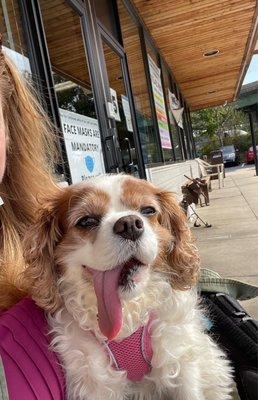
x: 253, y: 141
x: 187, y: 131
x: 193, y: 139
x: 41, y: 69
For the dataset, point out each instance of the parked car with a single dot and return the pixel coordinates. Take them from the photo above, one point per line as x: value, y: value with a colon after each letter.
x: 230, y: 155
x: 249, y: 156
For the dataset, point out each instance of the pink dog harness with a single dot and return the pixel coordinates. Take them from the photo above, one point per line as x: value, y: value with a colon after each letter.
x: 133, y: 354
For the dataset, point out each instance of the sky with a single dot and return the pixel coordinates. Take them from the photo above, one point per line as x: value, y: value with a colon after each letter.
x: 252, y: 72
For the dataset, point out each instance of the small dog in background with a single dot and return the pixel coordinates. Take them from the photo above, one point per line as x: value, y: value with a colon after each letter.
x: 195, y: 190
x: 112, y: 263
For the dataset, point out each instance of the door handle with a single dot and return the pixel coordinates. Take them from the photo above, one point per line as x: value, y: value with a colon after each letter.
x: 127, y: 141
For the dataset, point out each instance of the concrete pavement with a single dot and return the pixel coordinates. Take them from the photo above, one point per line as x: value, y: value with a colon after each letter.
x: 230, y: 247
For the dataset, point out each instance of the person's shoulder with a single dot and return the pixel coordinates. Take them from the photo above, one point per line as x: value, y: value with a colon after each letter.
x: 25, y: 320
x: 21, y: 314
x: 27, y: 359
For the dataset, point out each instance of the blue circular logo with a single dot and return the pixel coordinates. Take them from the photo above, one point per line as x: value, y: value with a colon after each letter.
x: 89, y: 162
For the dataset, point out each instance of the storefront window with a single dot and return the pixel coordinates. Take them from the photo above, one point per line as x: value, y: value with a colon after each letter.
x: 73, y: 89
x: 122, y: 113
x: 184, y: 130
x: 168, y: 155
x: 105, y: 13
x: 73, y: 97
x: 13, y: 40
x: 188, y: 131
x: 132, y: 46
x: 159, y: 102
x: 180, y: 126
x: 152, y: 53
x: 172, y: 121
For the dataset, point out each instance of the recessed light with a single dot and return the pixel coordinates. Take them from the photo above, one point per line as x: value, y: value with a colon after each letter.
x: 211, y: 53
x: 211, y: 91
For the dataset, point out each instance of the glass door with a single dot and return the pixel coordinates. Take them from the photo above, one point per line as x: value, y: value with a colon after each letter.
x: 73, y: 89
x: 117, y: 90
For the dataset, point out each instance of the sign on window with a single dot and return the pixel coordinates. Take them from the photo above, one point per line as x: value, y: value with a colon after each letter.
x: 159, y: 104
x: 83, y: 145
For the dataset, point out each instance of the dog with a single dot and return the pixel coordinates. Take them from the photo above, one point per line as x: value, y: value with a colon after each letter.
x: 112, y: 263
x: 194, y: 190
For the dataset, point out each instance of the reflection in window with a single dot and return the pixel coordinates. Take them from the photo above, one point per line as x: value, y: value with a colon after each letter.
x: 123, y: 125
x: 183, y: 131
x: 73, y: 97
x: 173, y: 127
x: 167, y: 153
x: 187, y: 131
x: 132, y: 46
x: 73, y: 90
x: 152, y: 53
x: 13, y: 39
x: 68, y: 60
x: 105, y: 14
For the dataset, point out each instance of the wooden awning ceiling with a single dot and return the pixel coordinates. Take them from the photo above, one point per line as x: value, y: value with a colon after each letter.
x: 184, y: 30
x: 67, y: 53
x: 66, y: 47
x: 64, y: 40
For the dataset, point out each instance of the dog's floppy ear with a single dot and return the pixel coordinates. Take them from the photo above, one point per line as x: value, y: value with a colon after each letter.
x: 182, y: 255
x: 39, y: 245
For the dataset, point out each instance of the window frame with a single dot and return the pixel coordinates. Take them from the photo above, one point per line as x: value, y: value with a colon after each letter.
x: 183, y: 135
x: 149, y: 42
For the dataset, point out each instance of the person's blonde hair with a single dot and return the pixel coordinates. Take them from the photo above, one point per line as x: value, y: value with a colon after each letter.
x: 28, y: 175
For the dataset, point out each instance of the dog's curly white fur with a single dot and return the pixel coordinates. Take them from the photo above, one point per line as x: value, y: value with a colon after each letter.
x: 186, y: 363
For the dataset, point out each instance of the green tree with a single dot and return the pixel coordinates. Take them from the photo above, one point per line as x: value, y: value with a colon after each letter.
x: 212, y: 125
x: 73, y: 97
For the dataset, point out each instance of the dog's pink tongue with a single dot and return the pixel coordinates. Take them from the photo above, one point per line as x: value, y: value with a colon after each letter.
x: 109, y: 305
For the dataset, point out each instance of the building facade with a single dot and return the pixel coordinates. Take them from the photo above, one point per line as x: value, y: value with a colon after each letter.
x: 109, y: 92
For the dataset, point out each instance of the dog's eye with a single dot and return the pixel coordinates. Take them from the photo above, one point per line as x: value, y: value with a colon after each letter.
x: 148, y: 210
x: 88, y: 222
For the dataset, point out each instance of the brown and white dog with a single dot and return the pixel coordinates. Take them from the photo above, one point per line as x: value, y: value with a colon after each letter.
x: 108, y: 257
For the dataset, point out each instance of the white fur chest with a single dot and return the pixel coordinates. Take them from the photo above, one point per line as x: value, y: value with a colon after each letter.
x: 180, y: 353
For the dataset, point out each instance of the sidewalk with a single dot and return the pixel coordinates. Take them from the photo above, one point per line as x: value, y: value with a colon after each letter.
x: 230, y: 247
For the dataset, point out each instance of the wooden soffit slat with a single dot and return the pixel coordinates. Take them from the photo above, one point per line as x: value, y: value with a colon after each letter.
x: 184, y: 30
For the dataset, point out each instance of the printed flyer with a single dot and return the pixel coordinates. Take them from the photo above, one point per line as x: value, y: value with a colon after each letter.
x: 83, y: 145
x: 159, y: 104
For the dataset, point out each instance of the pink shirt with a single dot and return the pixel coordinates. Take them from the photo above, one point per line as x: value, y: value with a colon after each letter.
x: 32, y: 371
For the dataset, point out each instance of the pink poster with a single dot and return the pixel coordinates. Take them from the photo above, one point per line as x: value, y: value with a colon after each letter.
x: 159, y: 104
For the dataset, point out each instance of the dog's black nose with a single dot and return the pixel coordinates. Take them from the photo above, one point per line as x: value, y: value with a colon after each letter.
x: 129, y: 227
